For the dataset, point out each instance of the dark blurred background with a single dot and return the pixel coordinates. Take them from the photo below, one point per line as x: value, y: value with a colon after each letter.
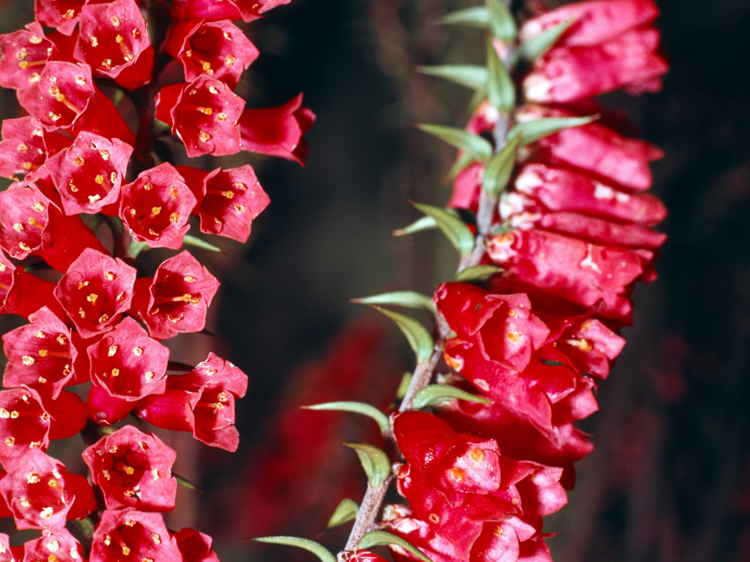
x: 669, y: 479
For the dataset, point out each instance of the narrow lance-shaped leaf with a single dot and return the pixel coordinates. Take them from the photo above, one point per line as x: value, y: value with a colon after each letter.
x: 318, y: 550
x: 409, y: 299
x: 403, y: 385
x: 454, y: 228
x: 425, y: 223
x: 532, y: 131
x: 478, y: 273
x: 435, y: 393
x: 377, y: 538
x: 537, y: 46
x: 479, y: 148
x: 346, y: 511
x: 502, y: 22
x: 473, y: 17
x: 185, y: 483
x: 200, y: 243
x: 357, y: 408
x: 376, y: 463
x: 418, y: 337
x: 471, y: 76
x: 500, y: 167
x: 500, y: 88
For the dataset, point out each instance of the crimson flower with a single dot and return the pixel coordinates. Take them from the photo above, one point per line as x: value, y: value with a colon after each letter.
x: 41, y: 494
x: 177, y: 298
x: 25, y: 52
x: 203, y: 114
x: 156, y: 207
x: 133, y: 469
x: 25, y: 424
x: 202, y: 402
x: 61, y: 14
x: 95, y: 292
x: 60, y: 95
x: 217, y: 48
x: 114, y: 41
x: 231, y: 199
x: 247, y: 10
x: 131, y: 536
x: 278, y: 131
x: 195, y: 546
x: 26, y: 146
x: 44, y: 344
x: 126, y: 365
x: 58, y: 543
x: 609, y: 46
x: 88, y: 174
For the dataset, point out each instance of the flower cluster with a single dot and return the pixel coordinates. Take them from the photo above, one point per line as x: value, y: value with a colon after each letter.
x: 562, y: 232
x: 574, y: 237
x: 97, y: 320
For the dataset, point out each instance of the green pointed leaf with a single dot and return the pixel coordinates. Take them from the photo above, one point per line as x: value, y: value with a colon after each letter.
x: 434, y: 393
x: 318, y: 550
x: 471, y: 76
x: 502, y: 22
x: 425, y: 223
x: 346, y: 511
x: 479, y: 148
x: 537, y: 46
x: 418, y: 337
x: 409, y: 299
x: 185, y: 483
x: 473, y: 17
x: 454, y: 228
x: 86, y: 527
x: 376, y: 463
x: 200, y: 243
x: 500, y: 167
x: 135, y: 248
x: 532, y: 131
x: 461, y: 162
x: 478, y: 273
x: 403, y: 385
x: 500, y: 88
x: 377, y: 538
x: 357, y: 408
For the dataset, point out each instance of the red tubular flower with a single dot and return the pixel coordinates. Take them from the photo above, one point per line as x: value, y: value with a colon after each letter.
x: 177, y: 298
x: 204, y: 115
x: 126, y: 365
x: 133, y: 536
x: 209, y: 10
x: 558, y: 189
x: 569, y: 74
x: 231, y: 200
x: 502, y: 325
x: 26, y: 146
x: 596, y: 150
x: 58, y: 543
x: 133, y: 469
x: 202, y: 402
x: 88, y: 175
x: 25, y: 293
x: 571, y: 269
x: 61, y: 14
x: 60, y: 95
x: 594, y: 21
x: 44, y: 344
x: 219, y: 49
x: 95, y: 292
x: 114, y: 41
x: 101, y: 117
x: 195, y: 546
x: 28, y: 225
x: 38, y: 492
x: 156, y: 207
x: 24, y: 423
x: 278, y: 131
x: 24, y: 55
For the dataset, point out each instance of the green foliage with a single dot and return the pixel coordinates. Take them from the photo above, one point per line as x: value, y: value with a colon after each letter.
x: 318, y: 550
x: 409, y: 299
x: 376, y: 463
x: 418, y: 337
x: 436, y: 393
x: 454, y: 228
x: 358, y: 408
